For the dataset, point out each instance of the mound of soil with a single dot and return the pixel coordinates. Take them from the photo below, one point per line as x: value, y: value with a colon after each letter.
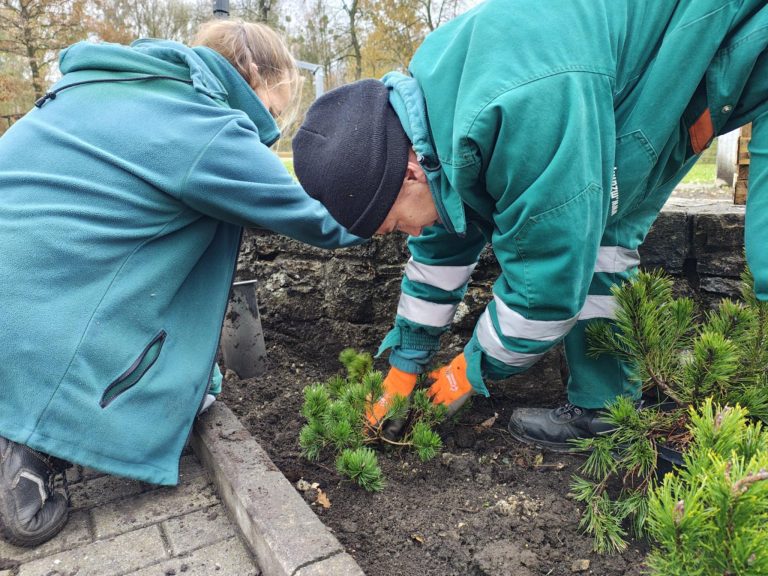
x: 486, y: 506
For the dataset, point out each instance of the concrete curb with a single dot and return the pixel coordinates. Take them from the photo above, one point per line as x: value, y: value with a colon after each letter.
x: 283, y: 533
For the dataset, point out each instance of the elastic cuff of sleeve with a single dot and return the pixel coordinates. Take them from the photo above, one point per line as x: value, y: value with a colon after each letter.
x: 410, y: 366
x: 214, y: 386
x: 480, y: 366
x: 408, y: 340
x: 474, y: 356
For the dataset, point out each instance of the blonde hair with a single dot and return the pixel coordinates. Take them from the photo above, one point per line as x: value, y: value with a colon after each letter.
x: 250, y: 44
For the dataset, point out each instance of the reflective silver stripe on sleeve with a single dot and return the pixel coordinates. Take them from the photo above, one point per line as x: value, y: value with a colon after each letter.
x: 424, y: 312
x: 443, y: 277
x: 614, y: 259
x: 514, y: 325
x: 599, y: 307
x: 491, y: 343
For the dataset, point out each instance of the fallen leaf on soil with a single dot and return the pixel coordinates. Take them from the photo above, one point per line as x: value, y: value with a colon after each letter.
x: 485, y: 424
x: 418, y: 538
x: 322, y: 499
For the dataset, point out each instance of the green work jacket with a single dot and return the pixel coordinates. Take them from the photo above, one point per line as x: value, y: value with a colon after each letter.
x: 549, y: 123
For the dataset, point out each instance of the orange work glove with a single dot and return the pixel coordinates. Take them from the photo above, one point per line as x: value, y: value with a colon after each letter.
x: 451, y: 386
x: 397, y: 383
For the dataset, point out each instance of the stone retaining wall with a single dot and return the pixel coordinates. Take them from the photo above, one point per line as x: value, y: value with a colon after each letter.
x: 319, y: 302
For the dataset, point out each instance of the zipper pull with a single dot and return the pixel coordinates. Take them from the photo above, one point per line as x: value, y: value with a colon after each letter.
x: 44, y: 98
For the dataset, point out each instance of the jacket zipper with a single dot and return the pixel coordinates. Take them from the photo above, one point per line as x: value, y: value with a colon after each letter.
x: 130, y: 377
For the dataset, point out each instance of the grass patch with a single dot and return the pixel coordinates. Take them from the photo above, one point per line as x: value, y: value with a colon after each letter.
x: 701, y: 173
x: 705, y: 170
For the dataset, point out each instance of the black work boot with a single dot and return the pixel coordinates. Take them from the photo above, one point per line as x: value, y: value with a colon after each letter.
x: 553, y: 428
x: 31, y: 511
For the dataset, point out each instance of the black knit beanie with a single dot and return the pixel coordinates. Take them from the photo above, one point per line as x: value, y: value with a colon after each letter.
x: 351, y: 153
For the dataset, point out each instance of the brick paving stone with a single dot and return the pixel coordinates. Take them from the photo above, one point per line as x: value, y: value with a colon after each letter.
x: 225, y: 558
x: 103, y: 489
x: 189, y: 468
x: 153, y: 507
x: 339, y: 565
x: 79, y: 473
x: 119, y: 555
x: 201, y: 528
x: 76, y: 533
x: 280, y: 528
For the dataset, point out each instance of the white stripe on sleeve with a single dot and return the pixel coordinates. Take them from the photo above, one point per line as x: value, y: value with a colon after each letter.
x: 599, y: 307
x: 491, y: 343
x: 424, y: 312
x: 514, y: 325
x: 443, y: 277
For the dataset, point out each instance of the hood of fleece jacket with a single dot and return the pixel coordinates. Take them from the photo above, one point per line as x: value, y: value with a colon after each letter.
x: 407, y: 99
x: 209, y: 72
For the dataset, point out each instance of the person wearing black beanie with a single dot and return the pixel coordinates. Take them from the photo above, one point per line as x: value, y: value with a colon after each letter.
x: 354, y: 134
x: 539, y: 132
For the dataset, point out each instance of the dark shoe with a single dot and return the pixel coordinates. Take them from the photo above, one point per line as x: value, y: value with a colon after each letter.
x: 555, y: 428
x: 31, y: 511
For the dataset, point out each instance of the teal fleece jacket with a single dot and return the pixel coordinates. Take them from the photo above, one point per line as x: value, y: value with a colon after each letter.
x: 122, y: 202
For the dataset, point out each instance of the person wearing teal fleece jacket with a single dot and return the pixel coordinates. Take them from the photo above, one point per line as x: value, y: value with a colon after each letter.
x: 123, y: 196
x: 555, y: 131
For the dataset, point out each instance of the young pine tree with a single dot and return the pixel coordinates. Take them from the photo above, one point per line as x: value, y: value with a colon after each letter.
x: 336, y: 421
x: 722, y: 359
x: 712, y: 517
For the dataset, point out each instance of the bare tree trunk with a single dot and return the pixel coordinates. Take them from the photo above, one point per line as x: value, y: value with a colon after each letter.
x: 353, y: 12
x: 265, y: 7
x: 34, y: 65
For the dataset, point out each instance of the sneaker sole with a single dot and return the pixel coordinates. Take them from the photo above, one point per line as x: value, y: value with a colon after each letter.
x: 543, y: 444
x: 31, y: 541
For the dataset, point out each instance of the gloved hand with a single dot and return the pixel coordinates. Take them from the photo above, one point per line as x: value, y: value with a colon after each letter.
x: 397, y: 383
x: 451, y: 386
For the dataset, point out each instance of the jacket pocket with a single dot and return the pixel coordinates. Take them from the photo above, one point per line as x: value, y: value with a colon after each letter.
x: 558, y: 249
x: 635, y: 158
x: 131, y: 377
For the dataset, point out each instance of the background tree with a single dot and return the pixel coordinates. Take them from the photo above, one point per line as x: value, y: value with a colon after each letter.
x: 35, y: 30
x: 267, y: 11
x: 354, y: 28
x: 349, y: 39
x: 126, y: 20
x: 396, y: 31
x: 434, y: 13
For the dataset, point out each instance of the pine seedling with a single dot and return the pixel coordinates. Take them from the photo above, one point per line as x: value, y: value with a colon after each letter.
x: 336, y: 421
x: 712, y: 517
x: 724, y: 360
x: 425, y: 440
x: 650, y: 332
x: 358, y: 364
x: 362, y: 466
x: 627, y: 457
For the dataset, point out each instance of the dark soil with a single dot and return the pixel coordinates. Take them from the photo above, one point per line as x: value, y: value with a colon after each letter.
x: 487, y: 506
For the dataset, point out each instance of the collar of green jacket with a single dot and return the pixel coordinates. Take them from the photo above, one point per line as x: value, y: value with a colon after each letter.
x: 407, y: 99
x: 210, y: 73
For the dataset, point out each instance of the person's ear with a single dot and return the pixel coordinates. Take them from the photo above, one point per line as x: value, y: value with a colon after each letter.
x: 414, y: 172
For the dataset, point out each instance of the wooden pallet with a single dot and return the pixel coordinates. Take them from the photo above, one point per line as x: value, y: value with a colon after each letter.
x: 742, y: 175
